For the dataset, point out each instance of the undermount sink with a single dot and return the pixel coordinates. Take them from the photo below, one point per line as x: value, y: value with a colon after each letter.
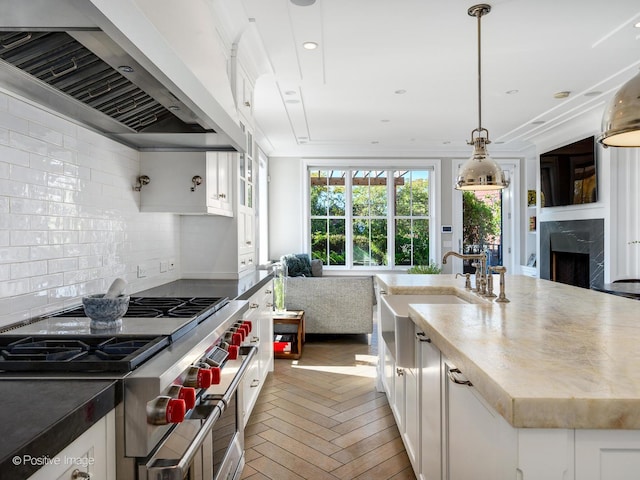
x: 398, y: 329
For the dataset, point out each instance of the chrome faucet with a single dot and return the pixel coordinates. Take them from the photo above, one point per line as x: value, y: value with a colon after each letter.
x: 481, y: 268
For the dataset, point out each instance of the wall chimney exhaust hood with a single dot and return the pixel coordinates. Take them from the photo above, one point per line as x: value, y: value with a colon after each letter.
x: 83, y: 74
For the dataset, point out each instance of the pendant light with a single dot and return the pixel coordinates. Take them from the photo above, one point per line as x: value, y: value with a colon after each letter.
x: 480, y: 172
x: 621, y: 119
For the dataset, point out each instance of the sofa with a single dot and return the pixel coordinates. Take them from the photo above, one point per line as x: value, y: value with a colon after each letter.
x: 332, y: 304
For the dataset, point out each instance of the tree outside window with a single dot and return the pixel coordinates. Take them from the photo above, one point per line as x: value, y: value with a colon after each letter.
x: 379, y: 200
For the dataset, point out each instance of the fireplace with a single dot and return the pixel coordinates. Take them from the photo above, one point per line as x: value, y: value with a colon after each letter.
x: 572, y: 252
x: 570, y: 268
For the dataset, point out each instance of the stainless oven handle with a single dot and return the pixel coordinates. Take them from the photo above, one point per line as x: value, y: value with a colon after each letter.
x: 179, y: 470
x: 249, y: 352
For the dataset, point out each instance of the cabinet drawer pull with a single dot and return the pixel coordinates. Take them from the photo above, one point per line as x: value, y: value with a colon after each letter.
x: 422, y: 337
x: 399, y: 372
x: 254, y: 305
x: 79, y: 474
x: 268, y: 292
x: 269, y: 304
x: 255, y: 383
x: 255, y: 339
x: 456, y: 376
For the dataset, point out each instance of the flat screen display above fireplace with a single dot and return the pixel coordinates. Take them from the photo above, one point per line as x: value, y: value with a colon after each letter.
x: 568, y: 174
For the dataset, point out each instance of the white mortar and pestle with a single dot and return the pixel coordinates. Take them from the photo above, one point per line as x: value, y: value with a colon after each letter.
x: 106, y: 310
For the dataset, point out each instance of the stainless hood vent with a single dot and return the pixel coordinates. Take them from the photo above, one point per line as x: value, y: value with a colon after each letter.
x: 84, y: 75
x: 63, y: 62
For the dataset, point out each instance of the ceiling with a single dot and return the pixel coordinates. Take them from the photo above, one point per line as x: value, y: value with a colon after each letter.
x: 399, y: 77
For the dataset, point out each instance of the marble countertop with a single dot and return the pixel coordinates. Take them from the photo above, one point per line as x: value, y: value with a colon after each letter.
x: 556, y: 356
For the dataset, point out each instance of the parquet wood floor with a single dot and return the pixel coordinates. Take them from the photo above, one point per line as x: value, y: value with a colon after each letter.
x: 321, y: 418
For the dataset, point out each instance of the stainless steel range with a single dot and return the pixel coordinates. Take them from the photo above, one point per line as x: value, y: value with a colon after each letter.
x: 180, y: 360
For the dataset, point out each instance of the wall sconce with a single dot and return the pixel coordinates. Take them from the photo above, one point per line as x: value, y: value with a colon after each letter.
x: 142, y: 181
x: 196, y: 180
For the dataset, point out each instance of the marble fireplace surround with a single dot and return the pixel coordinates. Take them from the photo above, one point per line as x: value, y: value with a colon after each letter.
x: 574, y: 236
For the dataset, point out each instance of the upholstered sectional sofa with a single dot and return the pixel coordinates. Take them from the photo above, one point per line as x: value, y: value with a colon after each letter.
x: 333, y: 304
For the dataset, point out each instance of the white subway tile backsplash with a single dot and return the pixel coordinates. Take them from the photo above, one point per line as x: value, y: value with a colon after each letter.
x: 29, y: 237
x: 45, y: 133
x: 44, y: 252
x: 24, y: 142
x: 46, y: 282
x: 13, y: 156
x: 70, y: 219
x: 27, y: 176
x: 57, y: 265
x: 13, y: 123
x: 4, y: 170
x: 28, y: 206
x: 14, y: 254
x: 45, y: 163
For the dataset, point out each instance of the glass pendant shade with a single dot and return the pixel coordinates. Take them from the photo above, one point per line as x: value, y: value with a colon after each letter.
x: 480, y: 172
x: 621, y: 119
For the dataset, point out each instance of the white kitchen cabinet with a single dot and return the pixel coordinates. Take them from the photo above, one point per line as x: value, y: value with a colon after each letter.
x: 607, y: 454
x: 478, y: 443
x: 187, y: 182
x: 412, y: 406
x: 430, y: 383
x: 219, y: 184
x: 92, y: 452
x: 259, y: 313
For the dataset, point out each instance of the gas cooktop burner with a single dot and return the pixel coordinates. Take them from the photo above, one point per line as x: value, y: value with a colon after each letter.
x: 77, y: 354
x: 158, y: 307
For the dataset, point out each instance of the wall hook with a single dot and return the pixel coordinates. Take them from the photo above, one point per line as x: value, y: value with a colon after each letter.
x: 142, y: 181
x: 196, y: 180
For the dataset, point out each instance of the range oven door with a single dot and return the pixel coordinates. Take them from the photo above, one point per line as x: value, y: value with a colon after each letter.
x: 209, y: 443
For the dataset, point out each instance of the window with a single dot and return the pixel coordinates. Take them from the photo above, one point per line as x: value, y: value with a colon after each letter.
x: 366, y: 218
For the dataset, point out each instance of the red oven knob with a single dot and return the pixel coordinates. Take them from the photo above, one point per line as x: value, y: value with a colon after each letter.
x: 188, y: 394
x: 236, y: 339
x: 165, y: 410
x: 233, y: 352
x: 248, y: 324
x: 245, y: 329
x: 215, y: 375
x: 198, y: 378
x: 239, y: 331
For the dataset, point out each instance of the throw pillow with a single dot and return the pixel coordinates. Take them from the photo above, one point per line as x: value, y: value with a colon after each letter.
x: 316, y: 268
x: 297, y: 265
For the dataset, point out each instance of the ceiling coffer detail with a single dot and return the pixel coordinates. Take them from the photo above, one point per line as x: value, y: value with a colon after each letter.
x: 63, y: 61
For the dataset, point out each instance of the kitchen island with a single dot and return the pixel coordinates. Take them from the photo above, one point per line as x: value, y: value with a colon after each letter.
x: 557, y: 361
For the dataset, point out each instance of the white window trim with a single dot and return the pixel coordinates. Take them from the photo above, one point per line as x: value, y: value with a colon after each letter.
x: 435, y: 165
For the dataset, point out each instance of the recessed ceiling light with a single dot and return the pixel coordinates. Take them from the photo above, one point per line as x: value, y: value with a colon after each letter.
x: 512, y: 92
x: 303, y: 3
x: 402, y: 91
x: 637, y: 25
x: 538, y: 122
x: 125, y: 69
x: 310, y: 45
x: 594, y: 93
x: 563, y: 94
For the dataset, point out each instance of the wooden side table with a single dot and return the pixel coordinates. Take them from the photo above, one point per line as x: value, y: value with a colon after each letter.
x: 290, y: 324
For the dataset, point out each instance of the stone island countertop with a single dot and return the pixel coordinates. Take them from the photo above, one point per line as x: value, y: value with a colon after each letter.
x: 556, y: 356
